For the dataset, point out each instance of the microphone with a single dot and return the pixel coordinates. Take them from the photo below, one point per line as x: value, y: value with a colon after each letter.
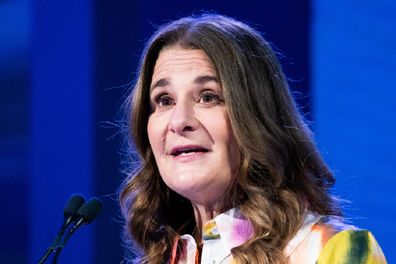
x: 69, y: 214
x: 72, y: 206
x: 85, y: 215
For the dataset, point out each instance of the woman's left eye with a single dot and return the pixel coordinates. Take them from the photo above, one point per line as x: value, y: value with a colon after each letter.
x: 209, y: 97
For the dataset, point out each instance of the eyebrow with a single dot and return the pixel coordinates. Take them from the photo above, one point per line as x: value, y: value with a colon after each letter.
x: 205, y: 78
x: 199, y: 80
x: 160, y: 83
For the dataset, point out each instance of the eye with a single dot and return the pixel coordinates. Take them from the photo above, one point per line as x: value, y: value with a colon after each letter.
x: 208, y: 97
x: 162, y: 100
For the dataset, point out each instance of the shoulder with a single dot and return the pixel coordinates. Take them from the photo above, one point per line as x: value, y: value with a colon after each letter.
x: 351, y: 246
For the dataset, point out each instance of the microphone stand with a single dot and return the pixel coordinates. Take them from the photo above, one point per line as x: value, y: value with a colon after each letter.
x: 60, y: 246
x: 52, y: 247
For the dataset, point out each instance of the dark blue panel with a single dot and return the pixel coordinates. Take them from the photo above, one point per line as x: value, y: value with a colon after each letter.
x: 115, y: 27
x: 61, y: 121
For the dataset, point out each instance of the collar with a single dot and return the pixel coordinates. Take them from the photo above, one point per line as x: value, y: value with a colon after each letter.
x: 230, y: 226
x: 230, y: 229
x: 219, y: 235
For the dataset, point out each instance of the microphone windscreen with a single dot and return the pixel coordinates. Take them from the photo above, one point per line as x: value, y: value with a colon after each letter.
x: 90, y: 209
x: 73, y: 204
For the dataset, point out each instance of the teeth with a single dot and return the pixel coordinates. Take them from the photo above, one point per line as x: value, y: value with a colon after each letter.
x: 185, y: 152
x: 188, y: 151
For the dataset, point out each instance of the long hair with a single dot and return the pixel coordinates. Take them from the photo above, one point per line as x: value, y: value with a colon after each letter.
x: 281, y: 175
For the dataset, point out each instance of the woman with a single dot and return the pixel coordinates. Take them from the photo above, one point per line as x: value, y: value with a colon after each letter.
x: 229, y: 171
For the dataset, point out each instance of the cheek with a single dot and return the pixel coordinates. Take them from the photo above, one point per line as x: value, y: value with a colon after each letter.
x: 235, y: 155
x: 150, y: 131
x: 231, y: 143
x: 154, y: 134
x: 223, y: 131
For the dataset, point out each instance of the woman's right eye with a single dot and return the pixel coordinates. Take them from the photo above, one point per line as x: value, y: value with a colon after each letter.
x: 163, y: 100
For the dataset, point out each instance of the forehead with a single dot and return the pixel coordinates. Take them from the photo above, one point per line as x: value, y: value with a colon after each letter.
x: 178, y: 59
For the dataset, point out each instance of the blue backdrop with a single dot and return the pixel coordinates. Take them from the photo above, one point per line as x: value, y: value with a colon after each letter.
x: 354, y: 105
x: 64, y: 66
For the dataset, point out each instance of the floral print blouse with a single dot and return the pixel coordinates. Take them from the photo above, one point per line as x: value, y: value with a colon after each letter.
x: 320, y: 240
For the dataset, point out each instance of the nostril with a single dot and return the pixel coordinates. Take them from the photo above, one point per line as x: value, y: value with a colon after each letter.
x: 188, y: 128
x: 182, y: 129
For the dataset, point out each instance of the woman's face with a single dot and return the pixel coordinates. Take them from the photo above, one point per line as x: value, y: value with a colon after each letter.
x: 189, y: 129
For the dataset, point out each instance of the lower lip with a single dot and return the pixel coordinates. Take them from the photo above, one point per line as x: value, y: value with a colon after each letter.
x: 189, y: 157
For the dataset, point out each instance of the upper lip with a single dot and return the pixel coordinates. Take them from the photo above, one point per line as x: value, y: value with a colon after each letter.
x: 187, y: 148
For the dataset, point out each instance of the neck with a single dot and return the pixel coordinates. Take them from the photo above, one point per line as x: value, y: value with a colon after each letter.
x: 205, y: 213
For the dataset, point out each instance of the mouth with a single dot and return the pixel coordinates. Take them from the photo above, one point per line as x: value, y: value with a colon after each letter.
x: 187, y: 150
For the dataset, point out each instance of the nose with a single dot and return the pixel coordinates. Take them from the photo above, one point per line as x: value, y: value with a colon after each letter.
x: 183, y: 119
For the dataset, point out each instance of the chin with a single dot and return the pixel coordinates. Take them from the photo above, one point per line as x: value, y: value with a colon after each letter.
x: 188, y: 189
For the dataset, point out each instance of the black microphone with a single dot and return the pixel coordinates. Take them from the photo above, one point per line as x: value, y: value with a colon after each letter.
x: 85, y: 215
x: 70, y: 213
x: 72, y: 206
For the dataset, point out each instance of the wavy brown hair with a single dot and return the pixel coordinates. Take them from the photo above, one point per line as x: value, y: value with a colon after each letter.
x: 282, y: 174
